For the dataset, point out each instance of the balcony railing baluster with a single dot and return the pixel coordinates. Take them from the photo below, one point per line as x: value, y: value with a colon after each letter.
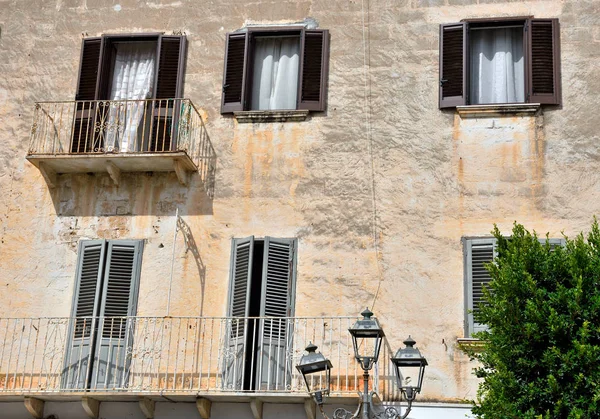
x: 121, y: 128
x: 149, y: 354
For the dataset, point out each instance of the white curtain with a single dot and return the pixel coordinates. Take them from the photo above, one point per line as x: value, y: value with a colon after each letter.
x: 133, y: 79
x: 275, y: 80
x: 497, y: 66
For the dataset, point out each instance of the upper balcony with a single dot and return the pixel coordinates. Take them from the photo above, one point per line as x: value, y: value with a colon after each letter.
x: 181, y: 358
x: 114, y: 136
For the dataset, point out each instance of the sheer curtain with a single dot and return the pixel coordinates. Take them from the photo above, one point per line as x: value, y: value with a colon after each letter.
x: 133, y: 79
x: 497, y: 66
x: 275, y: 80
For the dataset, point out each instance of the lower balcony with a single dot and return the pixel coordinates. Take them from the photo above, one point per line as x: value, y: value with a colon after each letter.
x: 114, y: 136
x: 177, y: 358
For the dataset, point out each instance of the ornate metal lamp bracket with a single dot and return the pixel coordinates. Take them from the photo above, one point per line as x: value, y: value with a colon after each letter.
x: 370, y: 413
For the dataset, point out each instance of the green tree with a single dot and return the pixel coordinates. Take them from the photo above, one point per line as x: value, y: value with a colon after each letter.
x: 541, y: 353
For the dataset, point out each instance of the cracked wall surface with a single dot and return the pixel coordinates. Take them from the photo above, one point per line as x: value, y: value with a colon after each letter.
x: 379, y: 189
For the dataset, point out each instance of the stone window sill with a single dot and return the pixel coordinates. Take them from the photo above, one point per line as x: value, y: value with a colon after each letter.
x: 474, y: 111
x: 245, y: 117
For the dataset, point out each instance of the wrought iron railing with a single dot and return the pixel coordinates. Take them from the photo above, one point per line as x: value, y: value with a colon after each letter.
x: 122, y: 127
x: 174, y: 354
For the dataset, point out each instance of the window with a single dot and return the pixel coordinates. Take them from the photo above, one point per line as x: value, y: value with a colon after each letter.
x: 477, y: 253
x: 262, y: 284
x: 275, y: 69
x: 106, y: 289
x: 126, y: 93
x: 494, y: 61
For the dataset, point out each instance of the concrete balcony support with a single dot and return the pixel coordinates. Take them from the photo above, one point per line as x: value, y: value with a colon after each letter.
x: 35, y: 407
x: 203, y: 405
x: 256, y: 406
x: 147, y: 407
x: 91, y: 407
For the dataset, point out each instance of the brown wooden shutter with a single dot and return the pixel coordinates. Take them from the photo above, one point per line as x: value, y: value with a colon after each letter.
x: 543, y: 61
x: 88, y: 69
x: 106, y: 67
x: 170, y: 69
x: 312, y: 86
x: 88, y: 86
x: 453, y: 65
x: 168, y: 87
x: 234, y: 75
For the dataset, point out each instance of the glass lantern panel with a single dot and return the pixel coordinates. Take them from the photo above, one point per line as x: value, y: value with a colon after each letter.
x: 367, y: 347
x: 409, y: 376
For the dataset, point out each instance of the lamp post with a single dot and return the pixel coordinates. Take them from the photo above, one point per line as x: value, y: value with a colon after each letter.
x: 367, y: 337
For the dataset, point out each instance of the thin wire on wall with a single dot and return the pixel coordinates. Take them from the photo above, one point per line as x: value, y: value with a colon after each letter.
x: 367, y: 112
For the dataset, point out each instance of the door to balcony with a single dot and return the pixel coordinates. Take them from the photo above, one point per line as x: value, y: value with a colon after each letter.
x: 259, y: 339
x: 98, y: 350
x: 125, y: 126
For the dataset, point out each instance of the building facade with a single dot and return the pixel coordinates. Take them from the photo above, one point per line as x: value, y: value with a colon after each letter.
x: 191, y: 192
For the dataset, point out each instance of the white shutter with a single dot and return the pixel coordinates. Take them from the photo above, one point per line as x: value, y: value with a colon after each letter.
x: 278, y: 281
x: 86, y: 303
x: 240, y: 281
x: 479, y: 252
x: 118, y: 304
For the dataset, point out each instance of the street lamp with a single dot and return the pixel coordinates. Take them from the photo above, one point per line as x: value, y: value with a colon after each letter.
x: 409, y: 363
x: 311, y: 363
x: 367, y: 336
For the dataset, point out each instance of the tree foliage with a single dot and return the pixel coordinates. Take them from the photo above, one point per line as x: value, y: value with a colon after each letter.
x: 541, y: 356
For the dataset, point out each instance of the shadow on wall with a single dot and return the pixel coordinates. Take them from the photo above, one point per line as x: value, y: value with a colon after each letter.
x: 190, y: 246
x: 149, y: 193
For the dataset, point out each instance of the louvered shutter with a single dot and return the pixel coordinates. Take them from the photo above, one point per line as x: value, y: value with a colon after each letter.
x: 118, y: 304
x: 278, y: 284
x: 83, y: 323
x: 234, y: 74
x: 87, y: 92
x: 88, y: 69
x: 544, y: 61
x: 554, y: 243
x: 479, y: 253
x: 240, y: 277
x: 168, y: 89
x: 453, y: 65
x: 171, y: 67
x: 312, y: 86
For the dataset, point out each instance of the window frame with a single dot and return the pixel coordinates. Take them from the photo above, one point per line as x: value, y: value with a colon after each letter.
x: 470, y: 326
x: 250, y: 34
x: 104, y: 72
x: 529, y: 22
x: 235, y: 241
x: 259, y: 32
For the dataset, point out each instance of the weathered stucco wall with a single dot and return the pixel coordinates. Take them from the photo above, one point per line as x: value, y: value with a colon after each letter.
x: 379, y: 189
